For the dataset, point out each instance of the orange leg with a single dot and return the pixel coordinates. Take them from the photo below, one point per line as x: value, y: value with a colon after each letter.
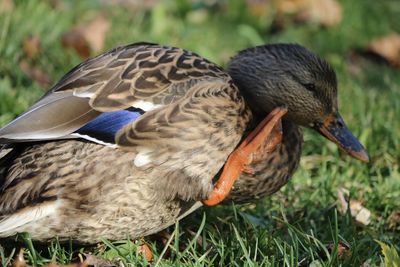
x: 267, y: 146
x: 242, y: 156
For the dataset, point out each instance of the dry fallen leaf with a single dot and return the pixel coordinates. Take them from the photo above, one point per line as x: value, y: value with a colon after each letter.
x: 6, y: 6
x: 145, y: 251
x: 257, y: 8
x: 75, y: 39
x: 19, y: 260
x: 342, y: 248
x: 387, y: 47
x: 325, y: 12
x: 95, y: 33
x: 88, y: 37
x: 31, y: 46
x: 35, y: 74
x: 394, y: 220
x: 290, y: 6
x: 359, y: 213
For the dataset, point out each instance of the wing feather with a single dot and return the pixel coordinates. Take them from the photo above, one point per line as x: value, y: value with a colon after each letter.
x: 42, y: 122
x: 182, y: 137
x: 123, y: 77
x: 11, y: 224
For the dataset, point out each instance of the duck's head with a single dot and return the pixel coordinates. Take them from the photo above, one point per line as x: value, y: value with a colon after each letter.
x: 289, y: 75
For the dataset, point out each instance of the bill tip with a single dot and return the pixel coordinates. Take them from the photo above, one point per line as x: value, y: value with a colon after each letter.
x: 360, y: 155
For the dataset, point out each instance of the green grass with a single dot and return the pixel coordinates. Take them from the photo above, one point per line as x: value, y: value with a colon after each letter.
x: 297, y: 225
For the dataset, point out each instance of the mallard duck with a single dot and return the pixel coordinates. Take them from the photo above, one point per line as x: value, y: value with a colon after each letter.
x: 129, y: 141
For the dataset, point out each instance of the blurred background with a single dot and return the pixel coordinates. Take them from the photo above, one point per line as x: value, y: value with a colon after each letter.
x: 42, y: 40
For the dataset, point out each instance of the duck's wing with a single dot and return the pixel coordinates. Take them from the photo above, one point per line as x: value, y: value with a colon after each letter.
x: 178, y: 115
x: 177, y: 149
x: 190, y: 138
x: 178, y: 112
x: 131, y: 79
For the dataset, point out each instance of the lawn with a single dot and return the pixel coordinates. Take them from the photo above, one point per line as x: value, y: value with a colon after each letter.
x: 299, y: 225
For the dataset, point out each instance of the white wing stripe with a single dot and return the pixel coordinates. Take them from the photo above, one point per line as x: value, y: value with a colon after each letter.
x: 94, y: 140
x: 145, y: 105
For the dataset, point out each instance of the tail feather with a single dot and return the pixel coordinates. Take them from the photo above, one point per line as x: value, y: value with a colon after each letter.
x: 13, y: 223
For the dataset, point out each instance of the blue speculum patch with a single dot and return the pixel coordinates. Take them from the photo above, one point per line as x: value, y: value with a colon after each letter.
x: 106, y: 125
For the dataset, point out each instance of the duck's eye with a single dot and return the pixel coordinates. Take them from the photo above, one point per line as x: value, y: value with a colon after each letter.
x: 310, y: 87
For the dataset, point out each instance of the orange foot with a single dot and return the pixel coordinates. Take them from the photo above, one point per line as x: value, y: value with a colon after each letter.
x: 262, y: 139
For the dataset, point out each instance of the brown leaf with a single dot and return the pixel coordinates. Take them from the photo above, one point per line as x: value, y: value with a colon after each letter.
x: 161, y: 240
x: 95, y: 33
x: 387, y: 47
x: 394, y: 220
x: 20, y: 261
x: 35, y: 74
x: 6, y: 6
x: 31, y: 46
x: 145, y: 251
x: 87, y: 38
x: 290, y: 6
x: 359, y: 213
x: 325, y: 12
x: 342, y: 249
x: 74, y: 39
x: 257, y: 8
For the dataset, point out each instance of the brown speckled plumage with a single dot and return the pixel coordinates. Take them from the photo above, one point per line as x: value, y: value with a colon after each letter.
x: 100, y: 194
x: 58, y: 177
x: 195, y: 118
